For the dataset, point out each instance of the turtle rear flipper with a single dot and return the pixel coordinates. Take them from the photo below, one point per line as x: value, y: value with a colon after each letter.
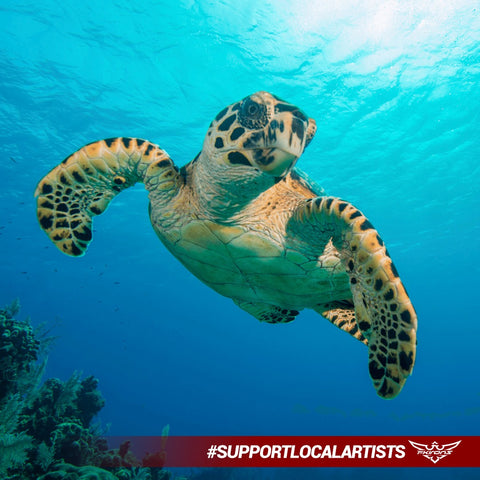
x: 83, y: 185
x: 383, y: 311
x: 268, y: 313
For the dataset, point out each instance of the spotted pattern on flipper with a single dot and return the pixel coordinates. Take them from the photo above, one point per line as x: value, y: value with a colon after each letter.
x: 268, y: 313
x: 342, y: 315
x: 383, y: 310
x: 83, y: 185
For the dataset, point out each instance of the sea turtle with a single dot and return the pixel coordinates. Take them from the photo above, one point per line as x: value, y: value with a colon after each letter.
x: 248, y: 224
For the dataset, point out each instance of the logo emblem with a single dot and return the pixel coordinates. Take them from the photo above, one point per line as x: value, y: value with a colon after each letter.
x: 435, y: 452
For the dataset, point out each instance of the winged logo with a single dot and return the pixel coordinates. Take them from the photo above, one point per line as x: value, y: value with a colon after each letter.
x: 435, y: 452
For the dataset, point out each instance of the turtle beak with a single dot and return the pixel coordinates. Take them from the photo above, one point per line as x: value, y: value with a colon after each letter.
x: 311, y: 129
x: 274, y: 161
x: 288, y: 134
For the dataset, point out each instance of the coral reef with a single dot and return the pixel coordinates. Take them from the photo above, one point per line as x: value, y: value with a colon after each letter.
x: 45, y: 430
x: 120, y: 457
x: 59, y: 417
x: 40, y: 425
x: 18, y: 351
x: 71, y: 472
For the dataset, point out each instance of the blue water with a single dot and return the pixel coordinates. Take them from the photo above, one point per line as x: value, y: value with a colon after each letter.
x: 394, y: 88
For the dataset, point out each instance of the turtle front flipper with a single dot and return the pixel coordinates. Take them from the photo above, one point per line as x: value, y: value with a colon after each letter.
x: 83, y: 185
x: 342, y: 315
x: 383, y: 310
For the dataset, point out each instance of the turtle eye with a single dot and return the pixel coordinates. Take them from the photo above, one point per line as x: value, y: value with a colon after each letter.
x: 252, y: 114
x: 252, y: 108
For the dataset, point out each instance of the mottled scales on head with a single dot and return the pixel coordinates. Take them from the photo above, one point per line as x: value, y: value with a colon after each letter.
x: 261, y: 131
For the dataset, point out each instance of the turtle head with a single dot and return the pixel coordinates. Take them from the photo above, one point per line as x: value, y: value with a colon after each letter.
x: 261, y: 132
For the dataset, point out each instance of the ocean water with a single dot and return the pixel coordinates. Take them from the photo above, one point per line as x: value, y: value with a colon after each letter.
x: 394, y: 88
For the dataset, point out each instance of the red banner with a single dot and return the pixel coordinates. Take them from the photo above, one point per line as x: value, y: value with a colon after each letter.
x: 283, y: 451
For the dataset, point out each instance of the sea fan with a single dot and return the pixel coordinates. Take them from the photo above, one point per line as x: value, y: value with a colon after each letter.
x: 13, y: 451
x: 13, y: 446
x: 45, y: 456
x: 10, y: 414
x: 9, y: 311
x: 68, y: 393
